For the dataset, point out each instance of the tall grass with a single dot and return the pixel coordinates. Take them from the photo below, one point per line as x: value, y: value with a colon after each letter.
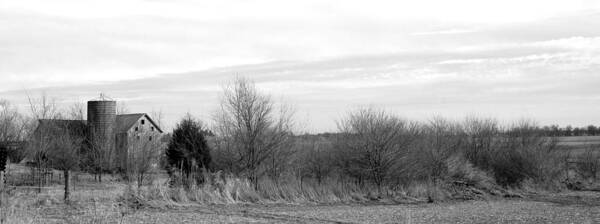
x: 462, y: 180
x: 231, y: 190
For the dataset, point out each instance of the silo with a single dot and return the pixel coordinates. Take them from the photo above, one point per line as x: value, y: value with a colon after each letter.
x: 102, y: 115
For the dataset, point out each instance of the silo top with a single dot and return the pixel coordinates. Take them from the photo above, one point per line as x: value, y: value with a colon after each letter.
x: 102, y: 97
x: 102, y: 111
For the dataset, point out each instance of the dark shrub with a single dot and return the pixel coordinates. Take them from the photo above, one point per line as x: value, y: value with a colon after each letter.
x: 188, y: 151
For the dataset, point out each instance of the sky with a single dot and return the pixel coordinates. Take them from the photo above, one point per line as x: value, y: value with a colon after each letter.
x: 507, y: 59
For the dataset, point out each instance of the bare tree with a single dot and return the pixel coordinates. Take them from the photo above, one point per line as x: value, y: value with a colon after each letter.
x: 99, y: 153
x: 42, y: 109
x: 249, y: 120
x: 64, y: 150
x: 157, y: 117
x: 439, y: 139
x: 482, y: 140
x: 12, y: 128
x: 143, y: 156
x: 588, y: 164
x: 316, y: 158
x: 11, y: 122
x: 77, y: 111
x: 122, y: 108
x: 372, y: 141
x: 57, y: 140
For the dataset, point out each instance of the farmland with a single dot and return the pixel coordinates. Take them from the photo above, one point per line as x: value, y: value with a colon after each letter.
x: 100, y: 207
x: 577, y: 144
x: 94, y: 202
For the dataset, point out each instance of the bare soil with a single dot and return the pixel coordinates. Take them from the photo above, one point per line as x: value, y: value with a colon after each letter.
x: 571, y: 207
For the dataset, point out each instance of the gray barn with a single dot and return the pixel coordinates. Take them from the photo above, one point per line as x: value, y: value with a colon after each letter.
x: 118, y: 135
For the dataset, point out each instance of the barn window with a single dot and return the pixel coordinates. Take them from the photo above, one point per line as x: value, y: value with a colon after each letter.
x: 150, y: 138
x: 152, y: 128
x: 143, y: 121
x: 136, y: 129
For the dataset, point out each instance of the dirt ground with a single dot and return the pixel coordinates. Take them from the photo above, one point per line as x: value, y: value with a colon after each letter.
x: 96, y: 203
x: 504, y: 211
x: 574, y: 207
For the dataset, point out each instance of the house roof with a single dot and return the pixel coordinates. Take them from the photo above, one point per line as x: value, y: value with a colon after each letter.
x: 127, y: 121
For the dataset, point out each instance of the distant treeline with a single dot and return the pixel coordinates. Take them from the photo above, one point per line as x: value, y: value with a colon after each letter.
x: 552, y: 130
x: 557, y: 131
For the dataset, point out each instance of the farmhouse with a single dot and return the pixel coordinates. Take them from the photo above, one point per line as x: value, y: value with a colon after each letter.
x: 115, y: 136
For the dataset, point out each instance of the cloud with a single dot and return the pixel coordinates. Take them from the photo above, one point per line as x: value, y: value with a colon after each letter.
x: 455, y: 58
x: 443, y: 32
x: 536, y: 79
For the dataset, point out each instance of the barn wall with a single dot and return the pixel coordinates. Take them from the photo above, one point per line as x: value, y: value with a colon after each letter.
x: 122, y: 145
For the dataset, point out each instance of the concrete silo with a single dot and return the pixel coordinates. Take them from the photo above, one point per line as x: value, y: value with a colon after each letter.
x: 101, y: 118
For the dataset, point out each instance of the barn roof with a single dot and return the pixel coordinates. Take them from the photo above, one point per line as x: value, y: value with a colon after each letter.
x: 74, y: 127
x: 127, y: 121
x: 124, y: 122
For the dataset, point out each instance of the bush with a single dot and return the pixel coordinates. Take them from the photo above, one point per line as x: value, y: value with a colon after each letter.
x: 371, y: 143
x: 188, y: 150
x: 426, y: 160
x: 588, y: 164
x: 3, y: 157
x: 512, y: 156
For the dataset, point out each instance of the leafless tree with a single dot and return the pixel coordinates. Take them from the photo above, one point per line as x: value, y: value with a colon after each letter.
x: 482, y: 139
x: 250, y: 120
x: 316, y: 158
x: 372, y: 141
x: 64, y: 150
x: 279, y: 161
x: 143, y: 156
x: 157, y: 117
x: 99, y: 152
x: 57, y: 140
x: 439, y: 139
x: 588, y: 164
x: 11, y: 122
x: 95, y: 154
x: 42, y: 109
x: 122, y: 108
x: 525, y: 153
x: 12, y: 127
x: 77, y: 111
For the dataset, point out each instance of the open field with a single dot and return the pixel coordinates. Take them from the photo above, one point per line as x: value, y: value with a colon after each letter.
x: 577, y: 145
x: 501, y: 211
x: 579, y: 140
x: 563, y: 208
x: 94, y: 202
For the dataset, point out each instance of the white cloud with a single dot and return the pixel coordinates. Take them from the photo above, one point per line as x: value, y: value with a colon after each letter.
x: 443, y: 32
x: 405, y: 53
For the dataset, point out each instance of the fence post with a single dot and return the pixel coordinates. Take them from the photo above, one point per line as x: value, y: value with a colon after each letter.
x: 2, y: 188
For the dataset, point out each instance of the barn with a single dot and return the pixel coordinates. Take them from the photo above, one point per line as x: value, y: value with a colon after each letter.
x: 117, y: 136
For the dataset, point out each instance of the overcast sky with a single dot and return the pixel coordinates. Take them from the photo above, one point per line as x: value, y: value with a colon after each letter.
x: 508, y: 59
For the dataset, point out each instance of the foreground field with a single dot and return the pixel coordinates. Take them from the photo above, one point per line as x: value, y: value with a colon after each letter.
x: 503, y: 211
x: 94, y: 202
x: 572, y: 207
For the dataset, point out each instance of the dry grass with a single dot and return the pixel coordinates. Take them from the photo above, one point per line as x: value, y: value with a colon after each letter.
x: 554, y: 209
x: 232, y: 190
x: 232, y: 200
